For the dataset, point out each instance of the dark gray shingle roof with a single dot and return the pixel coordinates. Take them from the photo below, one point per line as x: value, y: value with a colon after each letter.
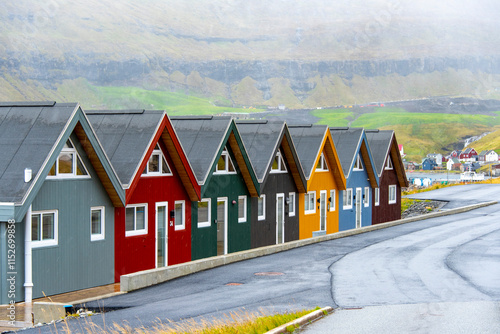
x: 125, y: 136
x: 28, y: 134
x: 379, y: 142
x: 346, y: 142
x: 308, y: 140
x: 201, y: 138
x: 261, y: 140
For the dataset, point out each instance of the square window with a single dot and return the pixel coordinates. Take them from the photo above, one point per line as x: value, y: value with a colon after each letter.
x: 180, y: 223
x: 97, y: 223
x: 136, y: 220
x: 242, y: 209
x: 261, y: 207
x: 44, y: 228
x: 204, y: 212
x: 291, y: 204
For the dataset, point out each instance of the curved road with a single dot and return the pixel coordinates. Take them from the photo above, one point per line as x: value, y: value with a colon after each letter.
x: 420, y: 270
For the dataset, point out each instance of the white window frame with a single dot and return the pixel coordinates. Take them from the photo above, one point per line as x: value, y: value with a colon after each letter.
x: 161, y: 160
x: 377, y: 196
x: 46, y: 242
x: 393, y: 187
x: 227, y: 158
x: 347, y: 198
x: 209, y: 207
x: 323, y: 165
x: 332, y: 199
x: 307, y: 199
x: 263, y: 216
x: 388, y: 163
x: 75, y: 158
x: 366, y: 200
x: 358, y: 165
x: 135, y: 231
x: 182, y: 226
x: 281, y: 164
x: 98, y: 236
x: 291, y: 204
x: 244, y: 218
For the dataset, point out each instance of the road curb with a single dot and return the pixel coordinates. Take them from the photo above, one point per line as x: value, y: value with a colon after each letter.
x: 315, y: 315
x: 142, y: 279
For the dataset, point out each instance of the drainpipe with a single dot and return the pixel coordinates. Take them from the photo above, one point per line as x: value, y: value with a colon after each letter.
x: 28, y: 283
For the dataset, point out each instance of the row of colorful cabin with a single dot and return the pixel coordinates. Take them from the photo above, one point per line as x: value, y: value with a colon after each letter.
x: 88, y: 196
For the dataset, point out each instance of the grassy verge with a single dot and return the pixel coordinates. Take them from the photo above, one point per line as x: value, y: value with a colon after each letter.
x: 234, y: 323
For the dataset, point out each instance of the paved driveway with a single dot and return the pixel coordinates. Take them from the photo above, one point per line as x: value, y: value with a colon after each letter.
x: 448, y: 259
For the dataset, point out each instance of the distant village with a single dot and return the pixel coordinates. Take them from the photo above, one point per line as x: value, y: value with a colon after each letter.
x: 467, y: 160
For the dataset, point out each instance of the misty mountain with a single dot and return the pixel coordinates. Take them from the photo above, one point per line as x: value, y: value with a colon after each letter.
x: 298, y: 53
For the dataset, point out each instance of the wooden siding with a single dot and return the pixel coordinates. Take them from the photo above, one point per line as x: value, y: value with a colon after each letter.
x: 293, y: 164
x: 180, y: 162
x: 76, y: 262
x: 264, y: 231
x: 241, y: 159
x: 204, y: 239
x: 369, y: 168
x: 136, y: 253
x: 333, y: 161
x: 387, y: 212
x: 97, y: 164
x: 320, y: 180
x: 347, y: 218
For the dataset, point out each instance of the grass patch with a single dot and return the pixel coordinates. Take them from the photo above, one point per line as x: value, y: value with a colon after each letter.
x: 173, y: 103
x: 234, y: 323
x: 333, y: 117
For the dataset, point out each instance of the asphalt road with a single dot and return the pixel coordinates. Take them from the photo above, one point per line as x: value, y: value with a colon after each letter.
x: 420, y: 271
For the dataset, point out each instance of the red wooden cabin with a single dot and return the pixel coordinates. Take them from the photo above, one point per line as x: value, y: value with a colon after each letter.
x: 154, y: 227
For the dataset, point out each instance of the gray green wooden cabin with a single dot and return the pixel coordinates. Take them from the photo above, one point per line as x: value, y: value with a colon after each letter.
x: 54, y: 173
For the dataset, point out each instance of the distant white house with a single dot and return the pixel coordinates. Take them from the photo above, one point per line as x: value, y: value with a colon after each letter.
x: 488, y: 156
x: 437, y: 157
x: 453, y: 164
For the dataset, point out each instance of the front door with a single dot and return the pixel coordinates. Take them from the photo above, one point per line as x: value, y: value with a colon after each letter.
x: 322, y: 210
x: 359, y: 201
x: 280, y: 218
x: 221, y: 225
x: 161, y: 234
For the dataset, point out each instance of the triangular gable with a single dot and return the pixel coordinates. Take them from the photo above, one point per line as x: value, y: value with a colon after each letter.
x: 131, y: 137
x: 203, y: 138
x: 41, y: 139
x: 330, y: 153
x: 262, y: 140
x: 166, y: 134
x: 349, y: 143
x: 398, y: 164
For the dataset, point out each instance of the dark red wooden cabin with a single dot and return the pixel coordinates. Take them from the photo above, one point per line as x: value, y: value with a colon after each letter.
x: 154, y: 228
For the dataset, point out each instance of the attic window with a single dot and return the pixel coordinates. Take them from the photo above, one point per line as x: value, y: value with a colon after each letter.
x: 388, y: 164
x: 278, y: 165
x: 225, y: 165
x: 358, y: 165
x: 157, y: 164
x: 322, y: 165
x: 68, y: 163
